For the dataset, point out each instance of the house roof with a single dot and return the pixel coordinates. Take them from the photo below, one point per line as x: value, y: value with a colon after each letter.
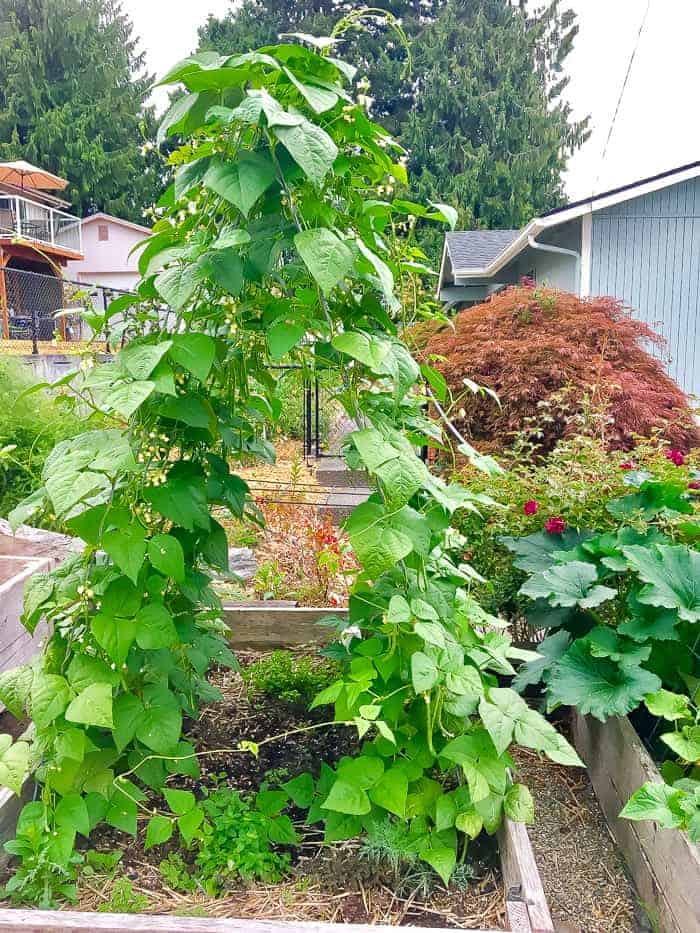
x: 474, y: 249
x: 514, y: 245
x: 690, y: 170
x: 110, y: 218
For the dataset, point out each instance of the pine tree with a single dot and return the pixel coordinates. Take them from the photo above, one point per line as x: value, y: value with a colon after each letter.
x: 480, y: 105
x: 72, y: 91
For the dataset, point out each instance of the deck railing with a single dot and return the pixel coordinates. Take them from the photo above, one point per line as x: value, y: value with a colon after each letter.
x: 23, y: 217
x: 38, y: 306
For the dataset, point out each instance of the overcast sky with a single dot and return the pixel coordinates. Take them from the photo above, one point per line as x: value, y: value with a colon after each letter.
x: 657, y: 127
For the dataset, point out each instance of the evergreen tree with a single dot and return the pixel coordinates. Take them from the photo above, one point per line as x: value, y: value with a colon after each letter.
x: 72, y: 91
x: 479, y: 106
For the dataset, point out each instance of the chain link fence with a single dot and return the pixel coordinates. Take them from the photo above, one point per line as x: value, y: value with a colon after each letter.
x: 41, y: 307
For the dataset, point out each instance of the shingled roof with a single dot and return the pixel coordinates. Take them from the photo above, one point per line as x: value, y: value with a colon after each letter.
x: 475, y: 249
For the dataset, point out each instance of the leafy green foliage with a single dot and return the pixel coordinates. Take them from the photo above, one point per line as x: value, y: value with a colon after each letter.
x: 644, y: 585
x: 30, y: 426
x: 460, y: 151
x: 675, y: 803
x: 675, y: 806
x: 123, y: 899
x: 237, y: 840
x: 289, y: 677
x: 135, y: 625
x: 48, y: 868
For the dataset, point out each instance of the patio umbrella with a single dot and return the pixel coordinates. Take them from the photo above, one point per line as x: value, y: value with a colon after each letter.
x: 23, y: 174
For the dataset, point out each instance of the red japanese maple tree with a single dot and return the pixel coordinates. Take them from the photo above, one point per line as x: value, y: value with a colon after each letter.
x: 533, y: 345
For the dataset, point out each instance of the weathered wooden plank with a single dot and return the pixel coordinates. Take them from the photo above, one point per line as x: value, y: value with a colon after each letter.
x: 521, y: 879
x: 278, y: 627
x: 10, y: 805
x: 35, y: 542
x: 14, y: 637
x: 664, y: 864
x: 65, y: 921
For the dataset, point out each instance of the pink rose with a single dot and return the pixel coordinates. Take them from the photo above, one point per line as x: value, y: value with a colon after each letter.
x: 555, y: 525
x: 675, y: 456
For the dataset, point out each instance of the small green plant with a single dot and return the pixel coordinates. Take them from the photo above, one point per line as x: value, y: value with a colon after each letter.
x: 295, y: 473
x: 48, y: 866
x: 241, y: 533
x: 176, y: 874
x: 123, y: 899
x: 269, y: 581
x: 389, y: 843
x: 290, y: 677
x: 238, y: 836
x: 29, y: 428
x: 674, y: 804
x: 101, y: 863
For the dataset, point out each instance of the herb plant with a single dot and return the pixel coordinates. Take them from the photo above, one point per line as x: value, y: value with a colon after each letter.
x: 276, y: 240
x: 123, y: 899
x: 238, y: 837
x: 289, y: 677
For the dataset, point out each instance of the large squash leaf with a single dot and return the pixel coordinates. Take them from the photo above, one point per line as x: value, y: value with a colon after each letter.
x: 598, y: 686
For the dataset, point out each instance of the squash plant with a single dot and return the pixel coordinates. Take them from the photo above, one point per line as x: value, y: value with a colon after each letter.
x: 278, y: 238
x: 622, y: 610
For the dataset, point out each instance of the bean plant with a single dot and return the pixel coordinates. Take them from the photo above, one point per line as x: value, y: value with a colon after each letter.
x: 279, y: 238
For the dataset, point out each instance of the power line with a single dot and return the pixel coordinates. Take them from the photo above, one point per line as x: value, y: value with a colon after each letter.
x: 622, y: 94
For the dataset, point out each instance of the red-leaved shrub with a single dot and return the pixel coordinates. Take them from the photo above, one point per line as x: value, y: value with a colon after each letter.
x: 530, y: 345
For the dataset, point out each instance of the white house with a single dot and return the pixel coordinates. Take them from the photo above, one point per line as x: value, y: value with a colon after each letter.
x: 107, y: 245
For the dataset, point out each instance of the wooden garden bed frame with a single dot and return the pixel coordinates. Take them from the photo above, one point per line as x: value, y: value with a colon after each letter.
x: 525, y: 902
x: 664, y: 863
x: 257, y: 627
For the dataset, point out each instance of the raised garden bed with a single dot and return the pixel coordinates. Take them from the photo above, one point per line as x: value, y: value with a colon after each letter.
x: 664, y: 864
x: 520, y: 894
x: 524, y: 905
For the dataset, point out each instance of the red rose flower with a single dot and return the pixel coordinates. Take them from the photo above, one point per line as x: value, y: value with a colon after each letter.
x: 555, y: 525
x: 694, y: 484
x: 627, y: 465
x: 531, y: 507
x: 675, y: 456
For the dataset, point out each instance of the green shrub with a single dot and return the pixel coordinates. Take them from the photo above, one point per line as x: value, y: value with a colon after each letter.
x: 30, y: 427
x: 289, y: 677
x: 575, y: 483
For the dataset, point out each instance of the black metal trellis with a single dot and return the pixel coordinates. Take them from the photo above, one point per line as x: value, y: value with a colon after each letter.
x: 311, y: 413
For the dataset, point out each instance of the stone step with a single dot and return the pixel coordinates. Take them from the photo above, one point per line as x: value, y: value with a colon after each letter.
x: 334, y: 472
x: 341, y: 502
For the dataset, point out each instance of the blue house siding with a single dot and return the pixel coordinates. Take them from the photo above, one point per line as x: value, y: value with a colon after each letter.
x: 646, y: 251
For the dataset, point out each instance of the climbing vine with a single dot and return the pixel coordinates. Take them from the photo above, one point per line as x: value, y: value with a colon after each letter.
x: 279, y: 238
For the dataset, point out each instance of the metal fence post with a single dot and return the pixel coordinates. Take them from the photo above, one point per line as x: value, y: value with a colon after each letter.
x: 35, y: 334
x: 307, y: 418
x: 318, y: 419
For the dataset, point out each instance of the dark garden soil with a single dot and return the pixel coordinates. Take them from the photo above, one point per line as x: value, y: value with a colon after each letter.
x: 325, y: 883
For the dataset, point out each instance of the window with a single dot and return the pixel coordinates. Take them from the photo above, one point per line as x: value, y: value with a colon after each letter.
x: 102, y: 232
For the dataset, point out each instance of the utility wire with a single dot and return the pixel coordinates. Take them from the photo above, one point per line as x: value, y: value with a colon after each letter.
x: 622, y: 94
